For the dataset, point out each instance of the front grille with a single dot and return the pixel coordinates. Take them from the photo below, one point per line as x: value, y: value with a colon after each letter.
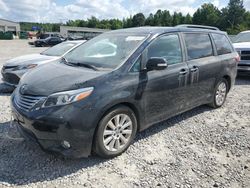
x: 245, y: 55
x: 26, y: 102
x: 245, y: 52
x: 244, y: 65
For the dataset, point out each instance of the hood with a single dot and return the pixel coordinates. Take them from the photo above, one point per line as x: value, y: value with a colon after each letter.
x: 56, y: 77
x: 30, y: 59
x: 240, y: 45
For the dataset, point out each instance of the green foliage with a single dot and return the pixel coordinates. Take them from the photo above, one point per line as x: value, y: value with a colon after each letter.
x: 236, y: 13
x: 138, y: 20
x: 233, y: 19
x: 208, y: 14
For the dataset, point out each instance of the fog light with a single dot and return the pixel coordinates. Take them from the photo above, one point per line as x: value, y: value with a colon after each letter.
x: 65, y: 144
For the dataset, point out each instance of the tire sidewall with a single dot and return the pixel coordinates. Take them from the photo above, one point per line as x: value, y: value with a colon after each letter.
x: 99, y: 147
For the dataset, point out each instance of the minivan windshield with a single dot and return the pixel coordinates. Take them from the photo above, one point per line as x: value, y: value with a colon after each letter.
x: 242, y: 37
x: 59, y: 49
x: 106, y: 51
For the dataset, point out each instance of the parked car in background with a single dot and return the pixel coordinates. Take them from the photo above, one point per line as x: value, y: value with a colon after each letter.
x: 242, y: 45
x: 47, y: 35
x: 15, y: 68
x: 50, y: 41
x: 106, y: 90
x: 42, y: 36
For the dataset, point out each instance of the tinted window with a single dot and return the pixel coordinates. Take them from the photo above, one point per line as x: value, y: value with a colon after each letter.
x: 167, y: 47
x: 54, y: 39
x: 222, y: 44
x: 198, y: 45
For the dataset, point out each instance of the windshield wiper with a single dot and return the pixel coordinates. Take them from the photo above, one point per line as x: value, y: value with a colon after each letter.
x: 80, y: 64
x: 86, y: 66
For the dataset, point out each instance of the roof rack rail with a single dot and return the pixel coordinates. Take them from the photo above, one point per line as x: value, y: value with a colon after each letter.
x: 198, y: 26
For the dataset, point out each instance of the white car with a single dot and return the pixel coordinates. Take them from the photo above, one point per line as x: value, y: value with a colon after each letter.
x: 14, y: 69
x: 242, y: 45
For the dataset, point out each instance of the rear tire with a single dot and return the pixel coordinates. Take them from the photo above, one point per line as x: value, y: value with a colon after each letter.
x: 220, y: 94
x: 115, y: 132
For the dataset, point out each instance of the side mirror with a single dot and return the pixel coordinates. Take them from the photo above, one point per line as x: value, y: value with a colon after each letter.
x: 156, y: 63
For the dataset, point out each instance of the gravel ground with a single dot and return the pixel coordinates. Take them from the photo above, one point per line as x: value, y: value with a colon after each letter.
x: 200, y: 148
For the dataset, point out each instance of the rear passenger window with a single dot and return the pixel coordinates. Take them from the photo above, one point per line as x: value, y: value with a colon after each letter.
x: 167, y: 47
x: 222, y: 44
x: 198, y: 45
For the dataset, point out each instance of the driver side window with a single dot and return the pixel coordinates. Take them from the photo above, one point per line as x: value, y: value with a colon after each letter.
x: 167, y: 47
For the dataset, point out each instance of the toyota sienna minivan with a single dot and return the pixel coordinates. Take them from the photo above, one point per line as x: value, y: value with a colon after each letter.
x: 98, y: 96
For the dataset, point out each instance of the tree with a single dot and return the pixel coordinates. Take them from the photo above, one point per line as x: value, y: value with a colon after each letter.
x: 150, y: 20
x: 157, y: 18
x: 188, y: 19
x: 177, y: 19
x: 56, y: 28
x: 138, y: 20
x: 166, y: 18
x: 115, y: 24
x: 127, y: 22
x: 236, y: 13
x: 93, y: 22
x: 208, y: 14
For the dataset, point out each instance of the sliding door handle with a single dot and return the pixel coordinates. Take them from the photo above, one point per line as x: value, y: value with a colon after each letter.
x: 183, y: 71
x: 194, y: 69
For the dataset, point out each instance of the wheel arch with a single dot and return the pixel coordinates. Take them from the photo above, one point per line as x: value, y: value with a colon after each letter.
x: 109, y: 108
x: 229, y: 81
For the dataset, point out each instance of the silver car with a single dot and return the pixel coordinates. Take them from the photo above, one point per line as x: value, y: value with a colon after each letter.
x: 14, y: 69
x: 242, y: 45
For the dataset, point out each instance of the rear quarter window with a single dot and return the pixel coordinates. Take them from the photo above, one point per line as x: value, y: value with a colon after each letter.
x: 222, y: 44
x: 198, y: 45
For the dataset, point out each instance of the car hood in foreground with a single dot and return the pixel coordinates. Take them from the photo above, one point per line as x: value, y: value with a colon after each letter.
x: 242, y: 45
x: 56, y: 77
x: 30, y: 59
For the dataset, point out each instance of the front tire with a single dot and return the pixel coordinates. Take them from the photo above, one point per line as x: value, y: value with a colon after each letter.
x: 220, y: 94
x: 115, y: 132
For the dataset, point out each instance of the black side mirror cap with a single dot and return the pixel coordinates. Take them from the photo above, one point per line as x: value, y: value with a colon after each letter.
x: 156, y: 63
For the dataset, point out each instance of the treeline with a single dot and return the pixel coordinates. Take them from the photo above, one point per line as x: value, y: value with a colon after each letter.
x: 233, y: 19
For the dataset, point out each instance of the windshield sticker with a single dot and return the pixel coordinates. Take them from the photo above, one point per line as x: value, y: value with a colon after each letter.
x: 134, y: 38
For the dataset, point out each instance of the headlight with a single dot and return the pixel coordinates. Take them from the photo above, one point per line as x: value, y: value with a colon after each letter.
x: 67, y: 97
x: 22, y: 67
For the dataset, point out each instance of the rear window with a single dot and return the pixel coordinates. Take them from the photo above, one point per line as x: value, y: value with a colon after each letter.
x: 198, y: 45
x: 222, y: 44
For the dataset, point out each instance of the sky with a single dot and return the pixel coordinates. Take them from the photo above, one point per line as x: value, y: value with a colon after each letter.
x: 64, y: 10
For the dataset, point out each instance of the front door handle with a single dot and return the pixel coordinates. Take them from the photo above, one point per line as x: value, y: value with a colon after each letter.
x: 183, y: 71
x: 194, y: 69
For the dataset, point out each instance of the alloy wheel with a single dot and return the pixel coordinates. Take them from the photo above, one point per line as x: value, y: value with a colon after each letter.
x: 117, y: 132
x: 221, y: 93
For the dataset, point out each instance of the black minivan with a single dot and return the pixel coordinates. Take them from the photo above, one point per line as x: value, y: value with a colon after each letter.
x: 102, y: 93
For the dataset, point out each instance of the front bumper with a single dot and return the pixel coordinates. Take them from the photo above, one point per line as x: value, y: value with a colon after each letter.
x: 11, y: 77
x: 52, y: 126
